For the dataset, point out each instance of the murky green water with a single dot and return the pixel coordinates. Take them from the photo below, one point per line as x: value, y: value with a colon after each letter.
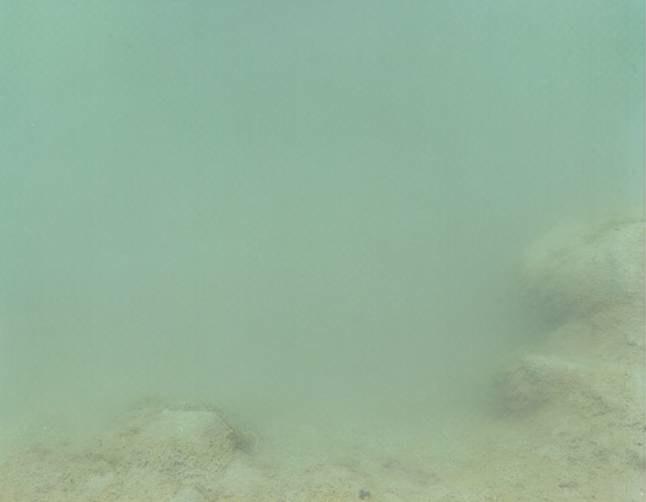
x: 311, y: 214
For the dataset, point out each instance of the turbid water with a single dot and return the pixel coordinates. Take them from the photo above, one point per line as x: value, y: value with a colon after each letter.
x: 311, y: 215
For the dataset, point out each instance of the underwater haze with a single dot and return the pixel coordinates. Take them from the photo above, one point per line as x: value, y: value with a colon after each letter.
x: 308, y: 213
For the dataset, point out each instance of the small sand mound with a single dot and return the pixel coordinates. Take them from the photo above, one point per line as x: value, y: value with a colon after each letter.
x: 149, y: 455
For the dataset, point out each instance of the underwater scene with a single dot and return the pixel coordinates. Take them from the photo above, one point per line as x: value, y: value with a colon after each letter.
x: 322, y: 251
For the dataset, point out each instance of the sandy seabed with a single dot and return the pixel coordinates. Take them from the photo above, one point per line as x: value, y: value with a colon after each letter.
x: 567, y: 422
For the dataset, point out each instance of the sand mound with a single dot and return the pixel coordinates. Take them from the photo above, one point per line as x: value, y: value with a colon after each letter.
x: 151, y: 454
x: 579, y: 397
x: 577, y: 270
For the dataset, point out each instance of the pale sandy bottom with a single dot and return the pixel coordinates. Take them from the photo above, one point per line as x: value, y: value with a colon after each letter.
x: 566, y: 421
x: 540, y: 442
x: 160, y: 452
